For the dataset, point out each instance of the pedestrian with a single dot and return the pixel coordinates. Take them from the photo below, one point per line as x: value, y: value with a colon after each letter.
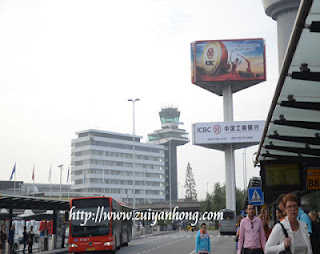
x: 265, y: 225
x: 63, y: 235
x: 290, y: 234
x: 240, y: 217
x: 3, y: 238
x: 11, y: 238
x: 278, y: 215
x: 281, y: 206
x: 203, y: 240
x: 305, y: 218
x: 252, y: 238
x: 25, y: 239
x: 30, y: 239
x: 265, y: 212
x: 315, y: 236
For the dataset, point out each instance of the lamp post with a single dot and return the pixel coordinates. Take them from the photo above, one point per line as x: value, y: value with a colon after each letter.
x: 60, y: 166
x: 134, y: 160
x: 134, y: 150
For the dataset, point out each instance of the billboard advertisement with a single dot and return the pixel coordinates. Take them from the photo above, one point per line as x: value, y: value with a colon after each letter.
x: 228, y: 61
x: 227, y: 132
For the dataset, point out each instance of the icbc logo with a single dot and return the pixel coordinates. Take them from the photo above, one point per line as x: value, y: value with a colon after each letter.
x: 204, y: 129
x: 210, y: 53
x: 217, y: 129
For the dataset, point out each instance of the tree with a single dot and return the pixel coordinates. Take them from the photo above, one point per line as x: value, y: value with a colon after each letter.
x: 240, y: 197
x: 206, y: 205
x: 219, y: 197
x: 191, y: 193
x: 217, y: 201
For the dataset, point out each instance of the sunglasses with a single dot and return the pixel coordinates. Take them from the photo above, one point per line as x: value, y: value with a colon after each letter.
x: 251, y: 225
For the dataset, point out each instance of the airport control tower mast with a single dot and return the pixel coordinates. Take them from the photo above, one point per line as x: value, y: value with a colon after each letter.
x: 284, y: 12
x: 170, y: 136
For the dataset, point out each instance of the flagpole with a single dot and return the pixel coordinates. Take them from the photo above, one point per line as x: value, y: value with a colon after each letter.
x: 14, y: 184
x: 50, y: 181
x: 33, y: 180
x: 68, y: 181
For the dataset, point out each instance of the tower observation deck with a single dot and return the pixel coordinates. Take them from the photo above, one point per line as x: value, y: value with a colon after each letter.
x: 170, y: 136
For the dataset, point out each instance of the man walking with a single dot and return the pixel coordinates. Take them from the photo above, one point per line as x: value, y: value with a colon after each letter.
x: 203, y: 240
x: 251, y: 238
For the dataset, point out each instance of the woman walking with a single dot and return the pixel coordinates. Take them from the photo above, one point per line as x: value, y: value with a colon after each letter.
x: 289, y: 233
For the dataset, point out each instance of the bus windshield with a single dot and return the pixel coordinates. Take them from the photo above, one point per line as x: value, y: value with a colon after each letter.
x: 92, y: 227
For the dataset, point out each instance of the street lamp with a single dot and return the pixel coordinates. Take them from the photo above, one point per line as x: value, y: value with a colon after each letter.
x: 60, y: 166
x: 134, y: 152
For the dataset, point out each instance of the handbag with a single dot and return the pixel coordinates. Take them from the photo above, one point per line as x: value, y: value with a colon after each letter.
x: 286, y: 251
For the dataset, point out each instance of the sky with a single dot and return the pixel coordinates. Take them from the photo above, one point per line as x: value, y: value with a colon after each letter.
x: 67, y: 66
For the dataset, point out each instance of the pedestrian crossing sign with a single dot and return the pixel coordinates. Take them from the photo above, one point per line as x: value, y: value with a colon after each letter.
x: 255, y: 196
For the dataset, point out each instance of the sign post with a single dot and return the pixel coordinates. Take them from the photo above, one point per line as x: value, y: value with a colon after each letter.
x: 224, y: 67
x: 255, y: 196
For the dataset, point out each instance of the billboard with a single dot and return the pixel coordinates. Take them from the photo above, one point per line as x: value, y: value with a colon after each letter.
x: 227, y: 132
x: 240, y: 63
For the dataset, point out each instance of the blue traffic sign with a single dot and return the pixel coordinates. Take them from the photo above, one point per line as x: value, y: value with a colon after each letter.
x: 255, y: 196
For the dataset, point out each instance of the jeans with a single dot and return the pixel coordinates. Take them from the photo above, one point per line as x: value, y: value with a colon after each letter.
x: 24, y: 247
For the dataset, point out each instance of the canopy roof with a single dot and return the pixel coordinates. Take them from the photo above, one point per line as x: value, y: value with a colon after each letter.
x: 292, y: 130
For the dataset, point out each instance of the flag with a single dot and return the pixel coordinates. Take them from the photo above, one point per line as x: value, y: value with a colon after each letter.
x: 33, y: 173
x: 68, y: 175
x: 13, y: 171
x: 49, y: 179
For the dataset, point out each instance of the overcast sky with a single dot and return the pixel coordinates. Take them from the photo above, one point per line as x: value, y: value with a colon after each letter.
x: 67, y: 66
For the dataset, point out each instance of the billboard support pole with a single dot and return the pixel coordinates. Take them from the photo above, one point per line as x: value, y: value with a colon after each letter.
x: 229, y: 151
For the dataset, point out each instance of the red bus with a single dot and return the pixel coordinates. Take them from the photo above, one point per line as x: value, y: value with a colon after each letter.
x: 93, y: 234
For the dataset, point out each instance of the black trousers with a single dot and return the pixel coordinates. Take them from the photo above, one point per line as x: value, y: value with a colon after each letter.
x: 30, y: 247
x: 253, y: 251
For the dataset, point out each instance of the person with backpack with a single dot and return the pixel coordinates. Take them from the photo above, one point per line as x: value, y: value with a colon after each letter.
x: 305, y: 218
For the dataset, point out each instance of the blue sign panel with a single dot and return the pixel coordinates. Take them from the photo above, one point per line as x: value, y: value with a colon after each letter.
x: 255, y: 196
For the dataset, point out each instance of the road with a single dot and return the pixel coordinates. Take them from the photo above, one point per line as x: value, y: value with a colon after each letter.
x: 178, y: 242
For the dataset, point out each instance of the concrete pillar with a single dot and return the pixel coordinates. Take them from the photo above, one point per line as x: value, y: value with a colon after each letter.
x: 284, y: 12
x: 229, y: 151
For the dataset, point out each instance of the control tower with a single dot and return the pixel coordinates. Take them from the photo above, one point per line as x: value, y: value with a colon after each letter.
x: 284, y: 12
x: 170, y: 136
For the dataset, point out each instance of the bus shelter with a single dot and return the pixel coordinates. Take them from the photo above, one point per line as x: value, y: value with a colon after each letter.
x: 289, y: 151
x: 42, y: 209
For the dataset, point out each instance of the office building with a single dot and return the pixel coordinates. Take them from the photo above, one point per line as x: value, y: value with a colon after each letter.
x: 102, y: 163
